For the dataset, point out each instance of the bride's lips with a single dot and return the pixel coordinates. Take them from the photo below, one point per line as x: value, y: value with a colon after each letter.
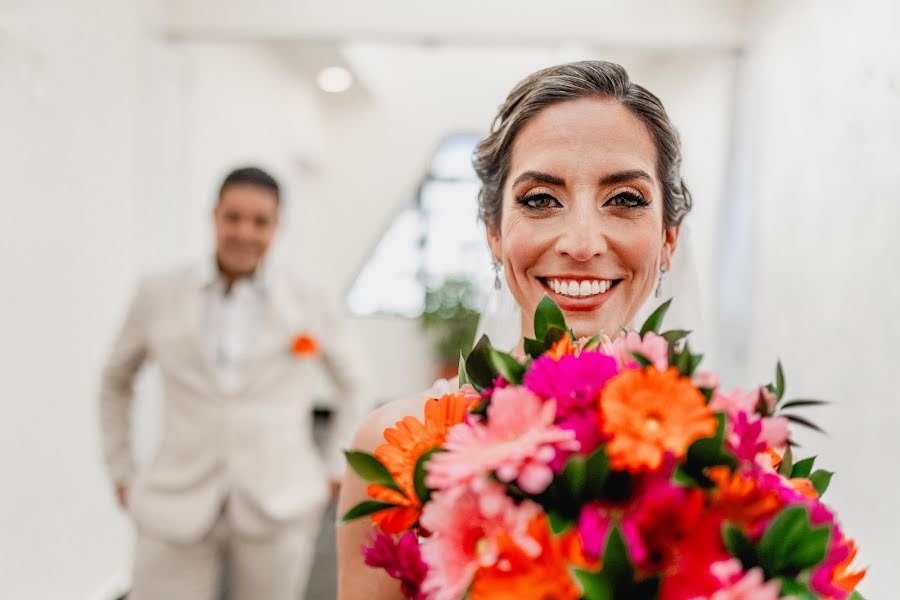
x: 588, y: 302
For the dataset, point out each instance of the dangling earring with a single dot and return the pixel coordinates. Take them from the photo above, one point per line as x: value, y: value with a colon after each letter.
x: 497, y: 268
x: 662, y: 274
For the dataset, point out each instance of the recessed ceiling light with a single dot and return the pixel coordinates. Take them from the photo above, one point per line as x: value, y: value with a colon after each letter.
x: 334, y: 80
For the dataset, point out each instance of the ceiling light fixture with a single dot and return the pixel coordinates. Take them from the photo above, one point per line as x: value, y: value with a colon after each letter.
x: 334, y: 80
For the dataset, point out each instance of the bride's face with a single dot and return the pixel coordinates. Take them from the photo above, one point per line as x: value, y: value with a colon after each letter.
x: 582, y: 216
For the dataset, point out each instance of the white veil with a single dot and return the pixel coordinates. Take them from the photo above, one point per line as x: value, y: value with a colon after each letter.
x: 501, y: 320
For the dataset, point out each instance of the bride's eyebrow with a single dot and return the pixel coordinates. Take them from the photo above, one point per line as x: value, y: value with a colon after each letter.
x: 625, y: 176
x: 539, y: 177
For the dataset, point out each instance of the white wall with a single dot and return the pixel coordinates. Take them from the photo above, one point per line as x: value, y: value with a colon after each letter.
x: 825, y: 81
x: 67, y: 254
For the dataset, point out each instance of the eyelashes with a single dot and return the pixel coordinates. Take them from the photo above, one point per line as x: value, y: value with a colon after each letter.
x: 627, y: 200
x: 539, y: 201
x: 543, y: 201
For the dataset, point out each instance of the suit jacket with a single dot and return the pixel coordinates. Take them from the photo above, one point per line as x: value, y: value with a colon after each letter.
x: 253, y: 447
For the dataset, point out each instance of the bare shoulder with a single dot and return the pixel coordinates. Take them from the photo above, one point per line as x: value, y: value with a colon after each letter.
x: 355, y: 580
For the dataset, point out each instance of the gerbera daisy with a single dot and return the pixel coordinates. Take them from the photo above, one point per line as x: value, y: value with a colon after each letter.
x: 406, y: 442
x: 519, y: 576
x: 649, y: 413
x: 517, y: 442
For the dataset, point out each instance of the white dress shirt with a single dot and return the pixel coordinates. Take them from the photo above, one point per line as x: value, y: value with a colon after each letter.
x: 230, y: 324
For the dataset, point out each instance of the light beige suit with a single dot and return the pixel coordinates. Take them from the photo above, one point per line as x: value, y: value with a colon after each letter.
x: 238, y: 461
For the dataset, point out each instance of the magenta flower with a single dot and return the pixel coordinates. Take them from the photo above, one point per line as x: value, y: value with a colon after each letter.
x: 574, y: 382
x: 401, y: 560
x: 517, y: 442
x: 748, y: 433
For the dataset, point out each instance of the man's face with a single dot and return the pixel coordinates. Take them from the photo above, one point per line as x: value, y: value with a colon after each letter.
x: 245, y: 221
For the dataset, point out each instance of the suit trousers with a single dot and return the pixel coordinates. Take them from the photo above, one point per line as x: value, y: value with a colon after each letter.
x: 265, y: 568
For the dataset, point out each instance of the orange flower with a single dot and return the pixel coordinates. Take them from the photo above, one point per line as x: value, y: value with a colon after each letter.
x: 305, y: 345
x: 648, y: 413
x: 561, y: 347
x: 740, y: 498
x: 842, y: 576
x: 804, y: 486
x: 406, y: 442
x: 572, y: 547
x: 517, y: 576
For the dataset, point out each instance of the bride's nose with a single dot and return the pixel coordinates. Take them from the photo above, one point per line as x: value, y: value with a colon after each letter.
x: 582, y: 236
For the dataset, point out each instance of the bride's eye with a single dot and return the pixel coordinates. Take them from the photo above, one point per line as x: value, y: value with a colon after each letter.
x: 538, y: 201
x: 627, y: 200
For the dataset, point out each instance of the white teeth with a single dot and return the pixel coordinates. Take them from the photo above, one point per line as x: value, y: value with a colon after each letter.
x: 588, y: 287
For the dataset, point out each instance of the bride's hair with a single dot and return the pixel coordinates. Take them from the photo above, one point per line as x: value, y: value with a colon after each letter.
x: 571, y: 81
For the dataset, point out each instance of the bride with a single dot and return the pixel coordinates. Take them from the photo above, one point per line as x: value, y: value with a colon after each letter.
x: 582, y: 199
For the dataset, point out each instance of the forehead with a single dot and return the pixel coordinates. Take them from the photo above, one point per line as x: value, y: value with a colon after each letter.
x: 588, y: 137
x: 248, y: 197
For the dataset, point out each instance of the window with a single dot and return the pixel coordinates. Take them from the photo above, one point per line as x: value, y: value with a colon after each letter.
x: 436, y: 239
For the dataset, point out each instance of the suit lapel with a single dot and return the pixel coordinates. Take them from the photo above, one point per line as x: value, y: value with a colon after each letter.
x: 197, y: 351
x: 273, y: 341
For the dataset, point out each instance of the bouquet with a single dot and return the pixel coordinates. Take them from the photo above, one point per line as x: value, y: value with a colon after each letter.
x: 597, y: 469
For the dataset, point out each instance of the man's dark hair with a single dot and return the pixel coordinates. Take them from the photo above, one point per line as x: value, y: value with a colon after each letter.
x: 251, y: 176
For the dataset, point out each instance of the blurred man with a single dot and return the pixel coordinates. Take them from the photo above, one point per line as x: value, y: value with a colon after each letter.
x: 237, y: 477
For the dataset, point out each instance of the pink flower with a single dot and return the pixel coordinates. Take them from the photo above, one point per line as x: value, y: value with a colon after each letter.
x: 517, y: 441
x: 748, y: 433
x: 743, y: 586
x: 401, y: 559
x: 466, y: 523
x: 706, y: 379
x: 574, y: 383
x: 653, y: 347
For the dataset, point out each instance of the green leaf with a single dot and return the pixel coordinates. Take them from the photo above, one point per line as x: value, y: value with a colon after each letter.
x: 799, y: 402
x: 706, y: 452
x: 811, y: 550
x: 642, y: 360
x: 593, y: 341
x: 785, y: 530
x: 533, y: 348
x: 370, y: 468
x: 739, y: 545
x: 654, y: 321
x: 796, y: 589
x: 481, y: 407
x: 504, y: 364
x: 547, y: 314
x: 596, y: 471
x: 791, y: 543
x: 478, y: 365
x: 463, y: 377
x: 419, y: 473
x: 802, y: 468
x: 553, y: 335
x: 366, y: 508
x: 559, y: 522
x: 595, y: 585
x: 803, y: 421
x: 779, y: 381
x: 855, y: 596
x: 675, y: 335
x: 787, y: 462
x: 821, y: 479
x: 574, y: 475
x: 616, y: 563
